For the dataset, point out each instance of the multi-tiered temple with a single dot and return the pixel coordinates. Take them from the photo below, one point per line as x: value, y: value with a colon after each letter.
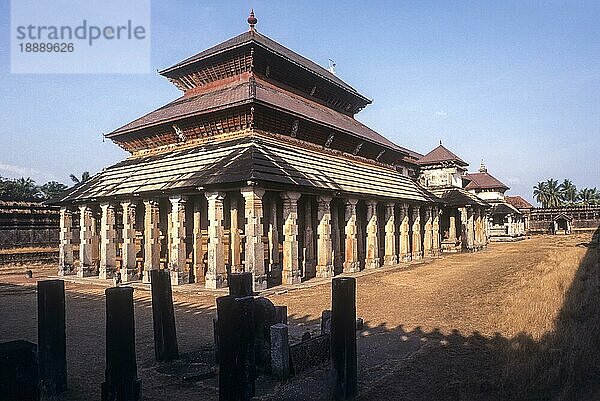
x: 259, y: 166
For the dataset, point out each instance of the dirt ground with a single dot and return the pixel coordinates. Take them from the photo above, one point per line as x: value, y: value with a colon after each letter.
x: 433, y: 331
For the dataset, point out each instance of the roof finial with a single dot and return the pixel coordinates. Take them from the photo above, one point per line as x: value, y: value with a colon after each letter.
x: 252, y: 20
x: 482, y: 168
x: 440, y: 142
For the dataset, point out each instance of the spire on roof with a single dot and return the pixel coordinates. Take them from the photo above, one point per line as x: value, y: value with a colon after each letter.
x: 482, y: 168
x: 252, y: 20
x: 440, y: 141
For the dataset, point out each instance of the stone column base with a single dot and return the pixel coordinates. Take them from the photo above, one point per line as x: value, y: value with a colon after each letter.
x: 260, y: 282
x: 288, y: 277
x: 406, y: 257
x: 351, y: 267
x: 178, y: 277
x: 324, y: 271
x: 216, y: 281
x: 66, y: 270
x: 85, y: 271
x: 417, y: 255
x: 106, y: 273
x: 146, y: 276
x: 390, y: 260
x: 372, y: 263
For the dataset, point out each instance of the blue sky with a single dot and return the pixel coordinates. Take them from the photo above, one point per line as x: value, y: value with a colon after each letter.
x: 514, y: 83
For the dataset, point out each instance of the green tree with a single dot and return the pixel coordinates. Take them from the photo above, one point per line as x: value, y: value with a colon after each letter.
x: 19, y: 189
x: 539, y: 193
x: 51, y: 189
x: 568, y: 192
x: 84, y: 176
x: 552, y: 193
x: 589, y: 196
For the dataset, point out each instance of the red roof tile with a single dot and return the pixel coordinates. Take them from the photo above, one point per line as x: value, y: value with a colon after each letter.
x: 441, y: 154
x: 518, y: 202
x: 484, y: 181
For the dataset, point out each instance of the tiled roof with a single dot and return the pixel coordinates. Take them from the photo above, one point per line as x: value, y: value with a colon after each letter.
x: 518, y: 202
x: 505, y: 208
x: 457, y: 197
x: 253, y: 158
x: 270, y: 45
x: 441, y: 154
x: 239, y: 92
x: 484, y: 181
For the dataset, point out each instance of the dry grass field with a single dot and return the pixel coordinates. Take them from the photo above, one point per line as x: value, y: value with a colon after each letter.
x: 518, y: 321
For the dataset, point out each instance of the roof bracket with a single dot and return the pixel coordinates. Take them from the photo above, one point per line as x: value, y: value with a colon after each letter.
x: 358, y: 148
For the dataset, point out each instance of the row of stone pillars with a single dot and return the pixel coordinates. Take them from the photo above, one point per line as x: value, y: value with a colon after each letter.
x: 473, y: 226
x: 407, y: 236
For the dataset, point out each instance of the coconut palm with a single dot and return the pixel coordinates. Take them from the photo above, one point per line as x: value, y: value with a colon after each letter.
x: 539, y: 193
x: 568, y: 192
x: 84, y: 176
x: 589, y: 196
x: 552, y: 193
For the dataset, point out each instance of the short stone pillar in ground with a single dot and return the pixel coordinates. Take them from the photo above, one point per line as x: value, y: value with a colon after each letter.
x: 52, y: 347
x: 280, y: 351
x: 264, y: 318
x: 235, y: 329
x: 163, y: 316
x: 240, y: 284
x: 121, y: 381
x: 326, y: 322
x: 18, y: 371
x: 281, y: 314
x: 343, y: 338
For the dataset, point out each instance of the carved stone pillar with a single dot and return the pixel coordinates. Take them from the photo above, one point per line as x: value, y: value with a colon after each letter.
x: 372, y: 254
x: 464, y: 231
x: 86, y: 242
x: 290, y: 269
x: 390, y: 257
x: 436, y: 240
x: 198, y: 251
x: 335, y: 237
x: 128, y: 262
x: 324, y: 244
x: 255, y: 254
x: 108, y: 246
x: 405, y: 253
x: 235, y: 239
x: 151, y: 238
x: 470, y: 229
x: 178, y: 253
x: 273, y: 235
x: 452, y: 228
x: 351, y: 263
x: 428, y: 234
x: 65, y: 247
x: 309, y: 250
x: 417, y: 250
x: 216, y: 274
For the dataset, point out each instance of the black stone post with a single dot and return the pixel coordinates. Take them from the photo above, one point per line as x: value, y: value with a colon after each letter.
x: 343, y: 338
x: 121, y: 382
x: 18, y: 371
x: 52, y: 345
x: 240, y: 284
x: 237, y: 369
x: 165, y: 336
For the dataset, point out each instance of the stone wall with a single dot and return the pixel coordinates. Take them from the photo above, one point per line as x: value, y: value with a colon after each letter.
x: 581, y: 218
x: 28, y: 225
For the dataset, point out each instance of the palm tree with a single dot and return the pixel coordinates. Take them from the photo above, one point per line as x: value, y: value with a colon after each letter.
x: 84, y: 176
x: 552, y: 193
x: 52, y: 189
x: 589, y: 196
x: 568, y: 192
x: 19, y: 189
x: 539, y: 192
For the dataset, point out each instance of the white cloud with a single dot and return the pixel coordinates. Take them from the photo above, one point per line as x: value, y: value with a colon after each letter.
x: 15, y: 171
x: 441, y: 113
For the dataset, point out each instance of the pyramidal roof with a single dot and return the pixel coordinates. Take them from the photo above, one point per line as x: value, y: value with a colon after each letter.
x: 439, y: 155
x: 483, y: 180
x: 257, y: 39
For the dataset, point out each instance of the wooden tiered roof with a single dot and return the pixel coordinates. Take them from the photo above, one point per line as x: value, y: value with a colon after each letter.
x: 234, y: 162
